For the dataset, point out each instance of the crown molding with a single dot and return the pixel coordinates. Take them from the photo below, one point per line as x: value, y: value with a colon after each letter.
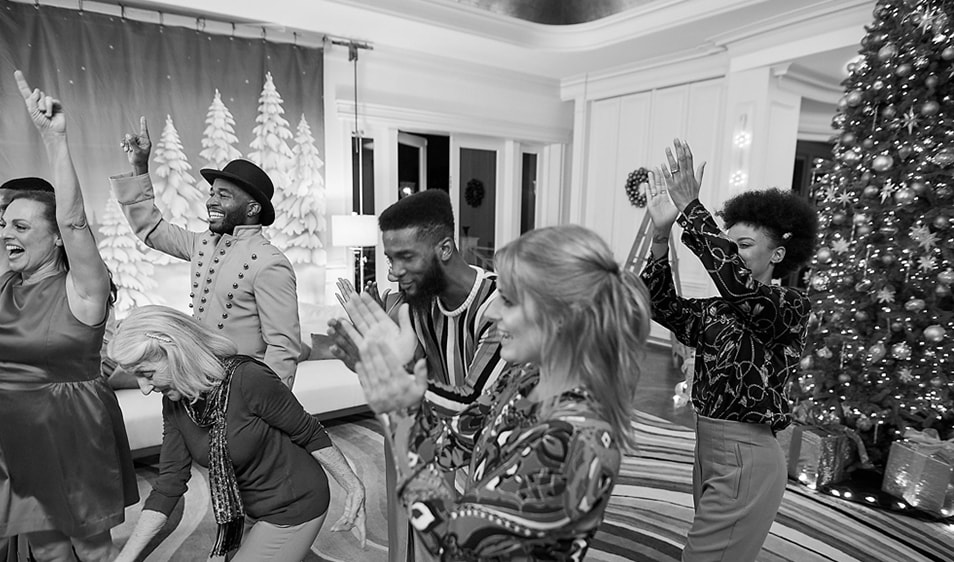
x: 804, y: 83
x: 451, y: 123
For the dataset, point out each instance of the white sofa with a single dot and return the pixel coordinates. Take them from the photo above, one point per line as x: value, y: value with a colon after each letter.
x: 325, y: 387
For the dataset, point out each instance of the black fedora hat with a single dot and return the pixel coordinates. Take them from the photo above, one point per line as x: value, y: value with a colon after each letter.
x: 28, y: 184
x: 252, y: 179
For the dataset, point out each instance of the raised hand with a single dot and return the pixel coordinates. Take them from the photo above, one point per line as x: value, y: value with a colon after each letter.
x: 45, y: 111
x: 683, y: 184
x: 138, y: 147
x: 387, y: 386
x: 366, y: 315
x: 346, y: 291
x: 661, y: 209
x: 344, y: 346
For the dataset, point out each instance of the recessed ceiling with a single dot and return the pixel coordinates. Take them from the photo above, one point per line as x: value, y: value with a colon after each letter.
x: 555, y: 12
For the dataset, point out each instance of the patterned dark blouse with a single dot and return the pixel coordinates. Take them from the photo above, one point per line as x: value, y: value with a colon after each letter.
x: 538, y: 482
x: 748, y: 340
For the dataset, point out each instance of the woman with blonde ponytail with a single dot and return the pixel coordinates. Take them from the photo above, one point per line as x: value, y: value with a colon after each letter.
x: 543, y: 445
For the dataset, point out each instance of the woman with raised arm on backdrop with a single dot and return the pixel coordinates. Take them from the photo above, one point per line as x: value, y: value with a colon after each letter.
x: 543, y: 444
x: 66, y: 473
x: 747, y: 340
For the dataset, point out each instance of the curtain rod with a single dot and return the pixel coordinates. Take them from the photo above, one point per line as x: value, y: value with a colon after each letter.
x: 255, y: 30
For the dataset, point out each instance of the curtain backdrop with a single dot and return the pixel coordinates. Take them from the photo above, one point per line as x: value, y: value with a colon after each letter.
x: 207, y: 98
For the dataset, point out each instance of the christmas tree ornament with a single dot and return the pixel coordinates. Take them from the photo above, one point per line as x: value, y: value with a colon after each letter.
x: 824, y: 353
x: 897, y: 326
x: 839, y: 218
x: 903, y: 70
x: 862, y: 316
x: 864, y: 423
x: 823, y: 255
x: 904, y: 196
x: 860, y: 218
x: 848, y: 139
x: 882, y: 163
x: 887, y: 52
x: 854, y: 98
x: 948, y: 53
x: 930, y: 108
x: 942, y: 291
x: 876, y: 352
x: 934, y: 333
x: 904, y: 152
x: 937, y: 382
x: 946, y: 277
x: 877, y: 85
x: 921, y: 62
x: 806, y: 362
x: 915, y: 305
x: 868, y: 144
x: 889, y: 112
x: 888, y: 258
x: 941, y: 222
x: 844, y: 377
x: 851, y: 157
x: 944, y: 157
x: 820, y: 282
x: 870, y: 191
x: 944, y: 193
x: 901, y: 351
x: 919, y: 187
x: 864, y: 285
x: 931, y: 81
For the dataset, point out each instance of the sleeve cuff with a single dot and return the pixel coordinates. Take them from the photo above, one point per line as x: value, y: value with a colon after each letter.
x: 130, y: 189
x: 157, y: 501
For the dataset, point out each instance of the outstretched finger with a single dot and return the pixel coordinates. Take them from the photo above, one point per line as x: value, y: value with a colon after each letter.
x: 143, y: 129
x: 22, y: 85
x: 685, y: 155
x: 673, y: 164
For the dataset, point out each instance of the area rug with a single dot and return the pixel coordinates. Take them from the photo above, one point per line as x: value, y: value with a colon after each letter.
x: 647, y: 519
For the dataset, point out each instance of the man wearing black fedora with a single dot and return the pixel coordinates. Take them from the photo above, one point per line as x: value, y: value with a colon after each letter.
x: 240, y: 283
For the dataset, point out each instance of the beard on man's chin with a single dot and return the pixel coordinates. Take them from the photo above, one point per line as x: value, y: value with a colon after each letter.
x: 431, y: 285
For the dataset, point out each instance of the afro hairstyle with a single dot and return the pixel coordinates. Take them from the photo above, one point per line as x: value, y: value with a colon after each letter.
x: 787, y: 217
x: 429, y: 211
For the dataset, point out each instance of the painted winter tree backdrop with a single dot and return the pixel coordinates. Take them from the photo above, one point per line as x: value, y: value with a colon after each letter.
x: 299, y: 198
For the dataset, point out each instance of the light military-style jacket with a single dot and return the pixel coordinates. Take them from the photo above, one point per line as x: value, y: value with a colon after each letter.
x: 239, y: 283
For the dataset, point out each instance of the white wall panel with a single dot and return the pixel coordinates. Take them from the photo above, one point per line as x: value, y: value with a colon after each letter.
x: 602, y: 153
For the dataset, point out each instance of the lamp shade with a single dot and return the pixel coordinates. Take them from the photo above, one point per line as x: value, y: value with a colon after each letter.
x: 354, y: 230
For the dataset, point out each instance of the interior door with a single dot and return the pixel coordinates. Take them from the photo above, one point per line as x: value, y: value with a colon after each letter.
x: 412, y: 164
x: 477, y: 175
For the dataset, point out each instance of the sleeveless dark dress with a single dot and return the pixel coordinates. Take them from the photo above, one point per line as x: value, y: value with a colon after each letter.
x: 64, y: 455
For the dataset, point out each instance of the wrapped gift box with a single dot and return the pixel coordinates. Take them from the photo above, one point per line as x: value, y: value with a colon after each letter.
x: 818, y: 456
x: 923, y: 475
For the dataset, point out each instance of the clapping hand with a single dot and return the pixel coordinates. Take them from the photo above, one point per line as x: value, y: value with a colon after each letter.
x: 346, y: 292
x: 661, y: 208
x: 388, y: 387
x: 45, y: 111
x: 138, y: 147
x: 683, y: 184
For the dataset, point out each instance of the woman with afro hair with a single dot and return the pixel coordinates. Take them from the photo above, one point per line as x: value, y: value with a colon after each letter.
x: 747, y: 340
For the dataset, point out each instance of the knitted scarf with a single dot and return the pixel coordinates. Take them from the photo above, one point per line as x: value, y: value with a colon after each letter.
x: 226, y: 499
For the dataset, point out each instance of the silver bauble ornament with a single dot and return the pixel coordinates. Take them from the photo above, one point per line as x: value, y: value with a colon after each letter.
x: 882, y: 163
x: 947, y: 53
x: 901, y: 351
x: 946, y: 276
x: 915, y: 305
x: 904, y: 196
x: 887, y: 52
x: 823, y: 255
x: 854, y: 98
x: 930, y: 108
x: 934, y: 333
x: 944, y: 157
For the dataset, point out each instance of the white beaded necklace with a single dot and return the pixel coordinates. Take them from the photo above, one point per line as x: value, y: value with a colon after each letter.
x: 467, y: 302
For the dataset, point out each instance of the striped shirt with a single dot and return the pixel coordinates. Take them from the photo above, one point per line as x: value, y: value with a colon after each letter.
x: 462, y: 351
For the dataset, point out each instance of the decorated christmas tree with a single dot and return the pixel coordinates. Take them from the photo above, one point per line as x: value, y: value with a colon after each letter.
x: 219, y: 135
x: 880, y: 357
x: 270, y: 150
x: 181, y: 202
x: 300, y: 215
x: 125, y: 256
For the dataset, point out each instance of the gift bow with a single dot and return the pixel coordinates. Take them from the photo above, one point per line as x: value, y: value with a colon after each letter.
x: 928, y: 442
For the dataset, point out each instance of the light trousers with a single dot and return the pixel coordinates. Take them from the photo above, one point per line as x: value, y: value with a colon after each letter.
x: 277, y: 543
x: 738, y: 479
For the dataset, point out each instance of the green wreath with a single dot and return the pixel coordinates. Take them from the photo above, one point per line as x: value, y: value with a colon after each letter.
x: 474, y: 194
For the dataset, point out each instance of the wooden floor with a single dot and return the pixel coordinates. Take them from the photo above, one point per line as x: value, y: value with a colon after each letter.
x: 656, y: 387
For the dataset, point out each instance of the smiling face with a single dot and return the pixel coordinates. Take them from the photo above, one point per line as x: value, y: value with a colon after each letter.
x: 30, y: 240
x: 154, y: 377
x: 757, y: 249
x: 521, y: 336
x: 414, y: 265
x: 228, y: 207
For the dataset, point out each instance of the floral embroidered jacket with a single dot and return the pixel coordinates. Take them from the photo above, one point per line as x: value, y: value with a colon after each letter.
x: 538, y: 483
x: 748, y: 340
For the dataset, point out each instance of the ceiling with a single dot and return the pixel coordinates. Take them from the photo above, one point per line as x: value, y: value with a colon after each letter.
x: 554, y: 12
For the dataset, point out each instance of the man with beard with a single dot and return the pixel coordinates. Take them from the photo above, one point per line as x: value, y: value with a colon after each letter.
x: 447, y: 298
x: 240, y: 283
